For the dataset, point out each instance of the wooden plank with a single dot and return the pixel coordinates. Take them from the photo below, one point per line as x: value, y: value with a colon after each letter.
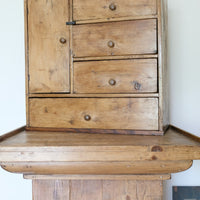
x: 11, y: 133
x: 139, y: 190
x: 117, y: 19
x: 97, y: 131
x: 110, y: 39
x: 32, y: 146
x: 48, y: 55
x: 86, y: 190
x: 121, y: 76
x: 97, y: 168
x: 162, y: 66
x: 100, y: 177
x: 50, y: 190
x: 102, y: 113
x: 96, y: 189
x: 98, y: 9
x: 26, y: 58
x: 115, y: 57
x: 150, y: 95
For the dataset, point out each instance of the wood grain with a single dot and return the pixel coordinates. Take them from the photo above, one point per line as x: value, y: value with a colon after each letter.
x: 92, y: 39
x: 96, y: 189
x: 50, y: 190
x: 99, y: 9
x: 96, y: 168
x: 35, y: 146
x: 142, y: 56
x: 48, y: 57
x: 104, y: 113
x: 163, y: 62
x: 154, y: 177
x: 128, y: 76
x: 137, y: 95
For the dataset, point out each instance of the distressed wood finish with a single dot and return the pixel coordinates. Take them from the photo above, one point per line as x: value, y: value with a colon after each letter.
x: 108, y: 40
x: 48, y: 50
x: 102, y: 113
x: 96, y: 168
x: 157, y: 154
x: 103, y: 9
x: 51, y: 190
x: 97, y: 189
x: 118, y: 76
x: 140, y: 37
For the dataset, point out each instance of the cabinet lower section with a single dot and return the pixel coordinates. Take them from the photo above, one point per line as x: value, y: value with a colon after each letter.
x: 94, y: 113
x: 97, y: 189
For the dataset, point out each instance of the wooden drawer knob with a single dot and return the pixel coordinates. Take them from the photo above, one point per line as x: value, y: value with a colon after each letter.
x: 112, y: 82
x: 87, y: 117
x: 112, y: 6
x: 137, y: 85
x: 111, y: 44
x: 63, y: 40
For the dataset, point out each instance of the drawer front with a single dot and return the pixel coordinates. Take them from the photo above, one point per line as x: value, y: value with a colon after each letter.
x: 115, y: 38
x: 117, y: 76
x: 96, y: 113
x: 102, y: 9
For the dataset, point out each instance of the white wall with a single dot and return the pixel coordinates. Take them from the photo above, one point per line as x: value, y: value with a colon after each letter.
x: 12, y: 87
x: 184, y: 69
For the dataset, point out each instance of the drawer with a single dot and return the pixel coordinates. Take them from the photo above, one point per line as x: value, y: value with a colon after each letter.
x: 102, y: 9
x: 95, y: 113
x: 116, y: 76
x: 115, y: 38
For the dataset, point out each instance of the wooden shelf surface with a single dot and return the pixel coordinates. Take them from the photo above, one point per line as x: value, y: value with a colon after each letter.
x: 42, y: 152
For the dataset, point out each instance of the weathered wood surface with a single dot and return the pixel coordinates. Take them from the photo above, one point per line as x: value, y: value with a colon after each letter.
x: 51, y: 190
x: 117, y: 76
x: 98, y: 9
x: 140, y: 37
x: 36, y: 146
x: 101, y: 113
x: 96, y: 189
x: 48, y: 46
x: 96, y: 168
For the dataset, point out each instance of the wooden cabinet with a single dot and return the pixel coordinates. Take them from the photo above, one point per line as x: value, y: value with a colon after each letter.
x: 96, y: 65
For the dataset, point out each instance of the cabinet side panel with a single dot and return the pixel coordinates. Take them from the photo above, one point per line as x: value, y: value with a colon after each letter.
x: 26, y: 56
x: 48, y: 46
x: 162, y: 65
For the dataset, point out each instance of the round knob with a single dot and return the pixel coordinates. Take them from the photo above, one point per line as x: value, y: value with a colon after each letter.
x: 112, y: 82
x: 87, y: 117
x: 63, y: 40
x: 111, y: 44
x: 112, y: 6
x: 137, y: 85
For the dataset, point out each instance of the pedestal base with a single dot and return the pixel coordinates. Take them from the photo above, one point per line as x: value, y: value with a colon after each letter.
x: 137, y: 187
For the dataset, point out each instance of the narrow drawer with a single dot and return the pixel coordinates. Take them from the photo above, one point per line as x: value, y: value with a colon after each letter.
x: 96, y: 113
x: 116, y: 76
x: 115, y: 38
x: 102, y: 9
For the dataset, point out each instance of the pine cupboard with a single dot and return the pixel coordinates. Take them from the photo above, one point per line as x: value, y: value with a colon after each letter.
x: 96, y: 65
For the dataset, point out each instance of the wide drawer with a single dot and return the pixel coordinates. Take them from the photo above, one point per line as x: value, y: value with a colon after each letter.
x: 96, y: 113
x: 116, y: 76
x: 115, y: 38
x: 102, y: 9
